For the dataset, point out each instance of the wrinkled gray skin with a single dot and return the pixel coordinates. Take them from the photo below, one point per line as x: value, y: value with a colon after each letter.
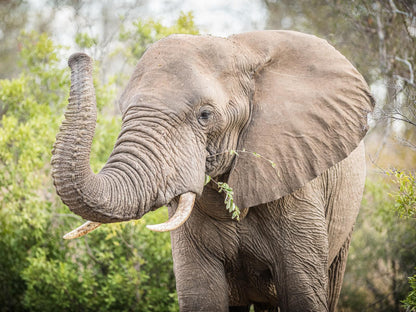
x: 287, y: 96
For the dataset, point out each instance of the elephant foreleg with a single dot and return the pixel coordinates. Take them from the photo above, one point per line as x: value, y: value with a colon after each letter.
x: 200, y: 279
x: 302, y: 247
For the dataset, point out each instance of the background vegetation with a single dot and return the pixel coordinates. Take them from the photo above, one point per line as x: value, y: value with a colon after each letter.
x: 124, y: 267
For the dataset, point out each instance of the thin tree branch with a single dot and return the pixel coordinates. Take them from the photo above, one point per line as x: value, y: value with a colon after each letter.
x: 396, y: 10
x: 406, y: 143
x: 411, y: 79
x: 91, y: 255
x: 404, y: 120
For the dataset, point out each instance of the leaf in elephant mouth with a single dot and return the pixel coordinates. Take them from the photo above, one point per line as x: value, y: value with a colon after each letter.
x: 229, y: 199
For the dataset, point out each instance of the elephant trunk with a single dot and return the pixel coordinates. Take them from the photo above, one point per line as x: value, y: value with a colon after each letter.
x: 93, y: 197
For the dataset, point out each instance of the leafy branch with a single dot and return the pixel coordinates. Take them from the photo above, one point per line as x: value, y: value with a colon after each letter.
x: 238, y: 152
x: 405, y: 196
x: 224, y: 187
x: 229, y: 197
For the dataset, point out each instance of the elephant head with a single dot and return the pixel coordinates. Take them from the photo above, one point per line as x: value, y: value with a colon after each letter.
x: 289, y: 97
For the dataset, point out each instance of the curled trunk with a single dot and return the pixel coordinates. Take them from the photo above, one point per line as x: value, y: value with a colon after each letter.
x: 93, y: 197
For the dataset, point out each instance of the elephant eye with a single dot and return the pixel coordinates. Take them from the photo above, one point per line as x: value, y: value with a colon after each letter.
x: 204, y: 116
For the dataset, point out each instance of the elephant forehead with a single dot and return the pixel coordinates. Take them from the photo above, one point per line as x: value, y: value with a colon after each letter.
x: 173, y: 88
x: 178, y: 69
x: 185, y: 53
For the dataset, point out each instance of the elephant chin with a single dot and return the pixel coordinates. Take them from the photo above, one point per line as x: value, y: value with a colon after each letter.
x: 182, y: 213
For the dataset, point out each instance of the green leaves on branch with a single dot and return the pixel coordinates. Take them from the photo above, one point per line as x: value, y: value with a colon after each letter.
x: 234, y: 152
x: 382, y: 245
x: 405, y: 205
x: 256, y: 155
x: 224, y: 187
x: 229, y: 200
x: 410, y: 301
x: 30, y: 108
x: 405, y: 196
x: 207, y: 179
x: 229, y: 197
x: 84, y: 40
x: 144, y: 32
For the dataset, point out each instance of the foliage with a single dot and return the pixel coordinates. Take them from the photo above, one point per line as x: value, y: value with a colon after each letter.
x: 25, y: 141
x: 410, y: 301
x: 229, y: 200
x: 83, y: 40
x: 381, y: 255
x: 145, y: 32
x: 405, y: 195
x: 226, y: 189
x: 13, y: 16
x: 119, y: 267
x: 405, y: 204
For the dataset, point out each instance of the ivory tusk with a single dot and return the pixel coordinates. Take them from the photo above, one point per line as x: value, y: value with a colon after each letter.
x: 82, y: 230
x: 182, y: 213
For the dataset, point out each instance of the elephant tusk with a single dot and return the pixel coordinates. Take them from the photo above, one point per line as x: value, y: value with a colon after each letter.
x: 182, y: 213
x: 82, y: 230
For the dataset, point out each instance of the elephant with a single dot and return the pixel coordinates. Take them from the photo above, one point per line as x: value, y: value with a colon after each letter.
x: 279, y: 116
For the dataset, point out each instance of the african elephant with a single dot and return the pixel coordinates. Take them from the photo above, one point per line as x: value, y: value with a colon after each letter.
x: 278, y: 115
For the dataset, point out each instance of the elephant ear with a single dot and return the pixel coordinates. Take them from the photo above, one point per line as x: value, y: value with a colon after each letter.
x: 309, y: 111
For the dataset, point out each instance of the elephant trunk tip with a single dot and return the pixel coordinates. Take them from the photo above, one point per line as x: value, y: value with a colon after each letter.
x: 79, y: 57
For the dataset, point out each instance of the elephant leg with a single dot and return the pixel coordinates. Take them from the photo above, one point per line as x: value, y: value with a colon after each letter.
x: 200, y: 278
x: 336, y: 275
x: 302, y: 252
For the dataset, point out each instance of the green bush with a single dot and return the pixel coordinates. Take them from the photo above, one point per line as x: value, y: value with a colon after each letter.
x: 382, y: 253
x: 144, y: 32
x: 405, y: 205
x: 410, y: 301
x: 120, y: 267
x: 405, y: 195
x: 26, y: 136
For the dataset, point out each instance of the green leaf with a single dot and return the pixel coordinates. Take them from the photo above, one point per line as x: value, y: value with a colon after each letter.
x: 83, y: 40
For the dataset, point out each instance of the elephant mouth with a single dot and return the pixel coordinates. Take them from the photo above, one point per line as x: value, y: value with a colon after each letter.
x: 210, y: 164
x: 211, y: 161
x: 182, y: 213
